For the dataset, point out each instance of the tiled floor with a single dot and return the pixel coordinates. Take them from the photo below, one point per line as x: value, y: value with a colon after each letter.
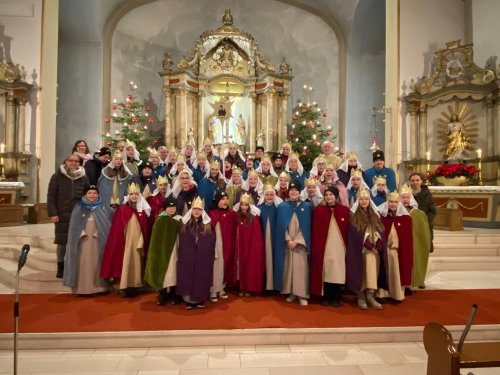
x: 363, y: 359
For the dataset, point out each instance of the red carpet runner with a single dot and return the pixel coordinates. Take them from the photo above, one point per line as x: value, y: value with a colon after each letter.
x: 68, y: 313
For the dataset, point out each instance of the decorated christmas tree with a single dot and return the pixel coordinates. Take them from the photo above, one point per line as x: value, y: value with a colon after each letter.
x: 131, y: 121
x: 308, y: 131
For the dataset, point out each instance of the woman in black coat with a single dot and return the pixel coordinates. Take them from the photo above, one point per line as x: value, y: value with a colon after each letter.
x: 94, y: 167
x: 66, y: 188
x: 425, y: 201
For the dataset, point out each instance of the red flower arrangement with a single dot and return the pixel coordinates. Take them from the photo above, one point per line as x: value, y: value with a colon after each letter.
x: 454, y: 170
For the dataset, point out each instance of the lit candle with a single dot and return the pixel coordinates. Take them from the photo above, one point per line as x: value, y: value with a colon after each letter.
x: 2, y: 148
x: 428, y: 155
x: 479, y: 153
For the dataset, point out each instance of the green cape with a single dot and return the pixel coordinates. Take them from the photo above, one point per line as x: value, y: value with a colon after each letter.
x: 421, y: 246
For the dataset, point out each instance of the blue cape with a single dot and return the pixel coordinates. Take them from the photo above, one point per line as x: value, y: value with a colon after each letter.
x: 388, y: 173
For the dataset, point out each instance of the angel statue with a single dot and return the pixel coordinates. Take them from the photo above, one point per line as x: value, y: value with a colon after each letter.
x: 457, y: 139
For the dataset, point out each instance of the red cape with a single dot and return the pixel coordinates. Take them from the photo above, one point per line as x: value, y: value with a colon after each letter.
x: 251, y: 255
x: 227, y: 220
x: 320, y: 224
x: 403, y: 225
x: 156, y: 203
x: 112, y: 259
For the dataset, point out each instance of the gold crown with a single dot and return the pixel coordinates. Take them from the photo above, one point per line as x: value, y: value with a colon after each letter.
x: 237, y: 171
x: 215, y: 165
x: 184, y: 170
x: 379, y: 180
x: 293, y: 155
x: 265, y: 159
x: 133, y: 188
x: 208, y: 141
x: 286, y: 144
x: 153, y: 153
x: 363, y: 192
x: 201, y: 154
x: 356, y: 173
x: 252, y: 172
x: 232, y: 144
x: 129, y: 143
x: 285, y: 175
x: 311, y: 182
x: 330, y: 166
x: 117, y: 154
x: 172, y: 149
x: 198, y: 203
x: 181, y: 159
x: 246, y: 198
x: 405, y: 189
x: 320, y: 160
x: 268, y: 188
x: 351, y: 155
x: 162, y: 180
x: 393, y: 196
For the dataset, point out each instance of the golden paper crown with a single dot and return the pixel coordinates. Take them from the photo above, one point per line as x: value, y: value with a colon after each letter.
x: 117, y: 154
x: 363, y: 192
x: 356, y: 173
x: 181, y: 159
x: 285, y: 175
x: 405, y: 189
x: 201, y: 154
x: 153, y: 153
x: 237, y: 171
x: 172, y: 149
x: 162, y: 180
x: 330, y: 166
x: 268, y: 187
x: 232, y: 144
x: 311, y: 182
x: 379, y: 180
x: 351, y: 155
x: 133, y: 188
x: 252, y: 172
x: 198, y: 203
x: 393, y: 196
x: 215, y: 165
x: 246, y: 198
x: 320, y: 160
x: 293, y: 155
x: 208, y: 141
x: 265, y: 159
x: 129, y: 143
x: 286, y: 144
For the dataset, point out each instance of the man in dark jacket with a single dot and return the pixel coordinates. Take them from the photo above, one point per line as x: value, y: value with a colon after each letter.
x: 94, y: 167
x: 66, y: 188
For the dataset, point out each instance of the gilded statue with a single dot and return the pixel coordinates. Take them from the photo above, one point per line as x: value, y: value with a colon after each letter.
x: 457, y: 139
x: 227, y: 18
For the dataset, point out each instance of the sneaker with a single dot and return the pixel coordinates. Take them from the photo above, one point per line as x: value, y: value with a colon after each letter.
x: 162, y: 297
x: 408, y: 292
x: 223, y: 295
x: 200, y: 305
x: 291, y: 298
x: 303, y: 301
x: 421, y: 287
x: 189, y: 306
x: 246, y: 294
x: 213, y: 297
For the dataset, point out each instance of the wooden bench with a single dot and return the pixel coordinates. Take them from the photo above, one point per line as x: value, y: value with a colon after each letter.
x: 445, y: 358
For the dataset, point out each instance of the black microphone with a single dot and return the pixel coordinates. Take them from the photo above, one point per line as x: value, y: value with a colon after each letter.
x: 23, y: 257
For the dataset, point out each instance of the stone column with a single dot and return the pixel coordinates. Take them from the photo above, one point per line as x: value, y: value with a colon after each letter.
x: 252, y: 126
x: 10, y: 124
x: 258, y: 124
x: 202, y: 131
x: 490, y: 126
x: 283, y: 131
x: 168, y: 119
x: 21, y: 125
x: 183, y: 118
x: 413, y: 133
x: 422, y: 133
x: 269, y: 128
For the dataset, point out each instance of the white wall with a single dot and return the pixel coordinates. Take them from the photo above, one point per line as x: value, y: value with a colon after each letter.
x: 144, y: 34
x: 486, y: 31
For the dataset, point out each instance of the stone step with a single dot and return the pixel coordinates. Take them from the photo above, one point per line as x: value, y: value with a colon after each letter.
x: 467, y: 236
x: 451, y: 250
x: 465, y: 263
x: 30, y: 280
x: 38, y: 258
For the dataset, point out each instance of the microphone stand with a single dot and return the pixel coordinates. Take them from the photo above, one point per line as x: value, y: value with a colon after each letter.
x: 21, y: 262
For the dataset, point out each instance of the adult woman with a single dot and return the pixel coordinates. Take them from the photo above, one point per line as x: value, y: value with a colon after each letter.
x: 114, y: 180
x: 366, y: 256
x: 423, y: 196
x: 329, y: 240
x: 88, y: 230
x: 421, y: 236
x: 250, y: 258
x: 125, y: 252
x: 81, y: 149
x: 66, y: 188
x: 195, y: 256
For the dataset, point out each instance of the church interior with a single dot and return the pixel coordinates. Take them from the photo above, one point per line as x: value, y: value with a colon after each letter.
x: 417, y: 80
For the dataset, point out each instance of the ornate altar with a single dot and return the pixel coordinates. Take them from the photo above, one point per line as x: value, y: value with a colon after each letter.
x: 452, y: 114
x: 14, y: 157
x: 227, y: 91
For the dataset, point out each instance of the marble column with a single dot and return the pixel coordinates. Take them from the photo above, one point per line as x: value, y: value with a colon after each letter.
x: 490, y: 127
x: 10, y: 124
x: 258, y: 124
x: 422, y: 133
x: 183, y: 118
x: 413, y: 133
x: 250, y: 141
x: 21, y: 125
x: 283, y: 131
x: 168, y: 119
x: 269, y: 128
x: 201, y: 120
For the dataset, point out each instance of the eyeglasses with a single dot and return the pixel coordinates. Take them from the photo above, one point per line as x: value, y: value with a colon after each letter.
x: 73, y: 160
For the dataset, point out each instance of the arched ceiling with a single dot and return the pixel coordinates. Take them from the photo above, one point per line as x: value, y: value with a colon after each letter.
x: 84, y: 20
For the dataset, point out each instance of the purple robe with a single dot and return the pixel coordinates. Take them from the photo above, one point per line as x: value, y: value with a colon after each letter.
x: 195, y: 263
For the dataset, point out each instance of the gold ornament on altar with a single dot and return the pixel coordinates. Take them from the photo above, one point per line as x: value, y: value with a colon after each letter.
x: 457, y: 132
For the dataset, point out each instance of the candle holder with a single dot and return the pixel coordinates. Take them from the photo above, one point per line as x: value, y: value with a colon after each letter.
x: 427, y: 173
x: 479, y: 172
x: 2, y: 168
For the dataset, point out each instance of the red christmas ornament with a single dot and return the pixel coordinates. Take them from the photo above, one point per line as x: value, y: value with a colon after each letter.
x: 113, y: 106
x: 311, y: 125
x: 154, y: 141
x: 148, y: 108
x: 316, y: 143
x: 292, y: 133
x: 128, y: 106
x: 303, y: 110
x: 303, y: 153
x: 106, y: 120
x: 150, y: 120
x: 328, y: 132
x: 294, y: 117
x: 109, y: 143
x: 129, y: 96
x: 134, y: 120
x: 324, y: 114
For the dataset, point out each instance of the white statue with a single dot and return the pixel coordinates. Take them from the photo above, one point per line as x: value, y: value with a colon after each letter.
x: 260, y: 139
x: 241, y: 125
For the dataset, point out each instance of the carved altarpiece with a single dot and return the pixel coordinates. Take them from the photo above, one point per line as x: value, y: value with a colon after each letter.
x: 456, y: 86
x: 226, y: 90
